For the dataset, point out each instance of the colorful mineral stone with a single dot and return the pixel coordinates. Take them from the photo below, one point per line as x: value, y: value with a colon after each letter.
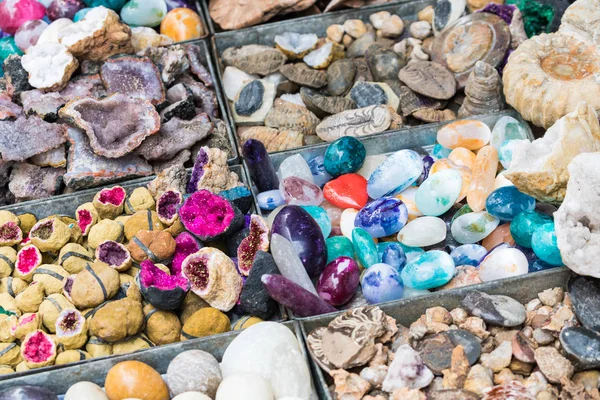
x: 114, y: 5
x: 15, y: 13
x: 382, y: 217
x: 396, y: 173
x: 8, y: 47
x: 338, y: 281
x: 430, y: 270
x: 79, y: 15
x: 347, y: 191
x: 338, y: 246
x: 473, y: 227
x: 483, y: 178
x: 182, y: 24
x: 469, y: 134
x: 28, y: 34
x: 507, y: 128
x: 499, y: 235
x: 270, y: 200
x: 63, y: 9
x: 440, y: 151
x: 524, y: 225
x: 503, y: 263
x: 347, y: 222
x: 465, y: 174
x: 423, y: 231
x: 507, y: 202
x: 463, y: 157
x: 260, y: 165
x: 144, y: 13
x: 392, y: 254
x: 300, y: 301
x: 505, y: 153
x: 468, y: 254
x: 295, y: 166
x: 382, y: 283
x: 297, y: 191
x: 439, y: 192
x: 364, y: 247
x: 319, y: 173
x: 321, y: 217
x: 344, y: 156
x: 545, y: 245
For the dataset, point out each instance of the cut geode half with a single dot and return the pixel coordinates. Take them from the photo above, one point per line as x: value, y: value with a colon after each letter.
x: 163, y: 291
x: 213, y: 277
x: 185, y: 244
x: 26, y: 137
x: 204, y: 98
x: 71, y: 329
x: 109, y: 202
x: 38, y: 349
x: 257, y: 239
x: 114, y: 254
x: 296, y: 45
x: 166, y: 206
x: 50, y: 235
x: 209, y: 216
x: 50, y: 66
x: 115, y: 125
x: 10, y: 233
x: 197, y: 66
x: 87, y: 216
x: 322, y: 57
x: 44, y: 105
x: 240, y: 196
x: 30, y: 182
x: 174, y: 136
x: 211, y: 172
x: 86, y: 169
x: 134, y: 76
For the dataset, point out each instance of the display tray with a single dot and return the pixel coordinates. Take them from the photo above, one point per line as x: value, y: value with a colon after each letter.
x: 523, y: 289
x: 317, y: 24
x: 60, y: 378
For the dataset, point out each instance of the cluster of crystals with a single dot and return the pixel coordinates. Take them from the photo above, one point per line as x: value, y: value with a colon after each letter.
x: 412, y: 221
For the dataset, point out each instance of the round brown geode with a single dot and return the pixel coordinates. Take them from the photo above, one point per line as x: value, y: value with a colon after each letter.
x: 73, y: 257
x: 26, y: 222
x: 105, y: 230
x: 10, y: 354
x: 157, y: 246
x: 136, y: 343
x: 30, y: 299
x: 8, y: 257
x: 190, y: 305
x: 142, y: 221
x: 194, y: 371
x: 95, y: 284
x: 27, y: 324
x: 51, y: 307
x: 162, y: 327
x: 139, y: 200
x: 117, y: 320
x: 98, y: 348
x: 205, y: 322
x: 51, y: 276
x: 50, y: 235
x: 8, y: 324
x: 71, y: 356
x: 12, y: 286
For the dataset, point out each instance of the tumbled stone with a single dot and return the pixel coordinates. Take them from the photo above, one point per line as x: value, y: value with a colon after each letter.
x: 495, y: 309
x: 26, y: 137
x: 384, y: 63
x: 584, y: 293
x: 30, y: 182
x: 582, y: 347
x: 254, y: 58
x: 340, y: 77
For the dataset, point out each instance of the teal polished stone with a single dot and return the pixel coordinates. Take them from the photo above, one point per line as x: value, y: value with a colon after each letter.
x: 507, y: 128
x: 338, y: 246
x: 144, y: 13
x: 364, y: 247
x: 430, y: 270
x: 322, y: 218
x: 440, y: 151
x: 344, y: 156
x: 7, y: 48
x: 439, y: 192
x: 507, y: 202
x: 114, y: 5
x: 545, y: 245
x: 524, y: 224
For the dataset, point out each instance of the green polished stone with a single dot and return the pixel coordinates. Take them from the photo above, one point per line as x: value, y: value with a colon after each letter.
x: 545, y: 245
x: 339, y: 246
x: 524, y: 224
x: 364, y: 247
x: 344, y: 156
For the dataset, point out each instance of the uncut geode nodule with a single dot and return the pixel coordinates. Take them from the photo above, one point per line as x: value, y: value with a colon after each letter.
x: 26, y: 137
x: 135, y: 76
x: 115, y: 125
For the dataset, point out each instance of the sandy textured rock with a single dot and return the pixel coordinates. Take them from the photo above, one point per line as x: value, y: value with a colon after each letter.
x: 143, y: 37
x: 582, y: 20
x: 577, y: 221
x: 173, y: 178
x: 539, y: 168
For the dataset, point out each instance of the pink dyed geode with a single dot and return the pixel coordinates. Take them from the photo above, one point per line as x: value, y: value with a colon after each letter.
x: 163, y: 291
x: 14, y: 13
x: 185, y: 244
x: 257, y: 239
x: 210, y: 217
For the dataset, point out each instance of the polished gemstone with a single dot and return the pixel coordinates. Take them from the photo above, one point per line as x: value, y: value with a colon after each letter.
x: 381, y: 283
x: 364, y: 247
x: 382, y: 217
x: 507, y: 202
x: 344, y: 156
x: 430, y: 270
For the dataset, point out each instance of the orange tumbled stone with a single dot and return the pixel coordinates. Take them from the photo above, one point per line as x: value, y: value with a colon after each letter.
x: 465, y: 174
x: 469, y: 134
x: 182, y: 24
x: 499, y: 235
x: 134, y: 379
x: 482, y: 178
x: 462, y: 156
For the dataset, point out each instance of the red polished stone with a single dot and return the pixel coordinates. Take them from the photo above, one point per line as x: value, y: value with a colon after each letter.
x: 347, y: 191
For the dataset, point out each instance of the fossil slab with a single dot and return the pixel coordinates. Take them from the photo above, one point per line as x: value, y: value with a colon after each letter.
x: 175, y: 136
x: 302, y: 74
x: 411, y: 102
x: 360, y: 122
x: 116, y: 125
x: 236, y: 14
x: 87, y: 169
x: 323, y: 106
x: 134, y: 76
x: 273, y: 139
x: 429, y: 79
x: 366, y: 94
x: 286, y: 115
x: 254, y: 59
x: 26, y: 137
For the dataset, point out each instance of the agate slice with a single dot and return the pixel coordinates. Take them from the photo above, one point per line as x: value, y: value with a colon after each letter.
x: 87, y: 169
x: 115, y: 125
x: 26, y: 137
x: 134, y: 76
x: 552, y: 66
x: 475, y: 37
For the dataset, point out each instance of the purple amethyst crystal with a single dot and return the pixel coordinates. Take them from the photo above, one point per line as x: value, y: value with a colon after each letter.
x: 260, y: 165
x: 302, y: 302
x: 198, y: 171
x: 504, y: 11
x: 297, y: 226
x: 166, y: 206
x: 338, y: 281
x: 185, y: 244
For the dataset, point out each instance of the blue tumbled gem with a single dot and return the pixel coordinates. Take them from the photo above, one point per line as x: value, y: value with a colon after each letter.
x: 382, y: 217
x: 317, y: 168
x: 381, y: 283
x: 468, y: 254
x: 270, y: 200
x: 507, y: 202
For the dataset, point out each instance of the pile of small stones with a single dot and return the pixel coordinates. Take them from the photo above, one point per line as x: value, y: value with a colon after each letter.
x: 491, y: 347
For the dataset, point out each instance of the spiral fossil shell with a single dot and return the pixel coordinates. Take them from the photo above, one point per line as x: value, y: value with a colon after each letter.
x: 549, y: 75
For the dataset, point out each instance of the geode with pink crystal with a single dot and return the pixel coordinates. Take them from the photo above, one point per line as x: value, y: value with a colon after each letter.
x: 115, y: 125
x: 135, y: 76
x: 257, y: 239
x: 210, y: 217
x: 185, y: 244
x: 163, y: 291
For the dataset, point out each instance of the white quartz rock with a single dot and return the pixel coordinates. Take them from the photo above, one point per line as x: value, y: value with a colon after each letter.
x: 296, y: 166
x: 407, y: 370
x: 272, y: 351
x: 49, y: 65
x: 244, y: 386
x: 234, y: 79
x: 289, y: 264
x: 50, y: 34
x: 577, y: 221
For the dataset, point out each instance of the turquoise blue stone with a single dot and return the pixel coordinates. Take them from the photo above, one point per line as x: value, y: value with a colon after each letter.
x: 411, y: 252
x: 392, y: 254
x: 317, y: 169
x: 270, y: 200
x: 439, y: 192
x: 79, y: 15
x: 144, y: 12
x: 322, y: 218
x: 382, y: 217
x: 344, y: 156
x: 545, y: 245
x: 468, y: 254
x: 524, y: 224
x: 507, y: 202
x: 430, y: 270
x: 364, y: 247
x: 539, y: 265
x: 7, y: 48
x: 506, y: 152
x: 115, y: 5
x: 440, y: 151
x: 400, y: 170
x: 382, y: 283
x: 338, y: 246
